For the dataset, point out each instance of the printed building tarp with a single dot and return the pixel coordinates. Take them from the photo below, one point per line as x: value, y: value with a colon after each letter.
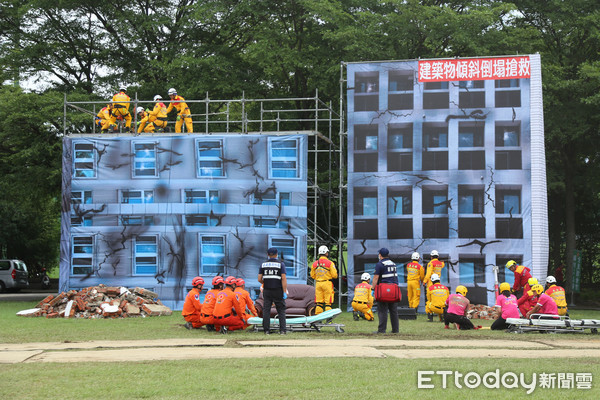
x: 156, y: 211
x: 447, y: 155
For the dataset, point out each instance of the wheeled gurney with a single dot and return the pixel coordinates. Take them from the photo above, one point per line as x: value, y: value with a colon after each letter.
x: 311, y: 323
x: 552, y: 323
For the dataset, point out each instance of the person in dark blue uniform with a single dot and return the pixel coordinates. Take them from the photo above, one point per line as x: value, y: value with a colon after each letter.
x: 272, y: 276
x: 385, y: 272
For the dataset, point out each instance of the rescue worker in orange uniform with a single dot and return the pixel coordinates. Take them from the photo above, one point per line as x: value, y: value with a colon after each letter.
x: 192, y: 307
x: 209, y: 303
x: 434, y: 266
x: 103, y: 118
x: 436, y: 298
x: 228, y: 311
x: 184, y: 114
x: 245, y: 301
x: 522, y: 274
x: 120, y: 108
x: 158, y: 115
x: 362, y: 303
x: 415, y: 276
x: 528, y: 300
x: 323, y: 272
x: 143, y: 120
x: 558, y: 295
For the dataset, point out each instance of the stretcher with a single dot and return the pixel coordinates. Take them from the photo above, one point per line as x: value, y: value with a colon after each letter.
x: 303, y: 323
x: 556, y: 325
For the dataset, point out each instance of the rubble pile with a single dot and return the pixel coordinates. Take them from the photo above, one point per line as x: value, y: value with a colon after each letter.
x: 480, y: 311
x: 100, y: 302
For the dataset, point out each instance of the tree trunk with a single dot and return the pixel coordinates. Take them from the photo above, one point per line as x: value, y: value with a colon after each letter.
x: 569, y: 222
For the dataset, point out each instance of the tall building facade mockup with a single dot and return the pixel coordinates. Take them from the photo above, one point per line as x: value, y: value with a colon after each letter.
x: 156, y: 211
x: 448, y: 155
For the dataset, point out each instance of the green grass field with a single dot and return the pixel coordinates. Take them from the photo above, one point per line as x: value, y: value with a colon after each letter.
x: 271, y: 378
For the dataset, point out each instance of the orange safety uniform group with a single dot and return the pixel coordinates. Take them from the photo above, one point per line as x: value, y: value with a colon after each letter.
x: 184, y: 113
x: 363, y: 300
x: 415, y: 276
x: 434, y: 266
x: 323, y: 271
x: 436, y: 299
x: 558, y: 295
x: 120, y: 109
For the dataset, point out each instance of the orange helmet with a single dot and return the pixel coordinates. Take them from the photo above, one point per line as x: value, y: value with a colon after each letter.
x: 230, y: 280
x: 240, y: 282
x: 217, y: 279
x: 198, y: 281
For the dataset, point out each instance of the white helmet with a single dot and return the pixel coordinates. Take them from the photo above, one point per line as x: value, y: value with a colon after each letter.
x: 434, y: 253
x: 172, y: 92
x: 157, y: 97
x: 550, y: 279
x: 323, y: 250
x: 365, y: 276
x: 139, y: 110
x: 415, y: 256
x: 435, y: 277
x: 122, y: 88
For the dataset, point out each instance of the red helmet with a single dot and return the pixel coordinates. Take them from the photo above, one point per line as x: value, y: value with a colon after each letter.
x: 240, y: 282
x: 230, y: 280
x: 216, y: 280
x: 198, y: 281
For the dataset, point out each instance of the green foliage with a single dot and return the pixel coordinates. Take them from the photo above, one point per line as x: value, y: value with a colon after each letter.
x: 291, y: 48
x: 30, y: 178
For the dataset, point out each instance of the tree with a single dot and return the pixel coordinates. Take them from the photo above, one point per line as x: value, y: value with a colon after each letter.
x: 30, y: 178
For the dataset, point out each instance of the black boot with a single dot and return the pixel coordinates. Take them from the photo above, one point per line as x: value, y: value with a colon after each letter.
x: 429, y: 317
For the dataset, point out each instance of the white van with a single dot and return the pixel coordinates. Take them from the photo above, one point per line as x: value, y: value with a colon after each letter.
x: 13, y: 275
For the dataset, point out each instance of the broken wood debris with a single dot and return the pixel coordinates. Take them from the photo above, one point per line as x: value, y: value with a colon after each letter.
x: 480, y: 311
x: 100, y: 302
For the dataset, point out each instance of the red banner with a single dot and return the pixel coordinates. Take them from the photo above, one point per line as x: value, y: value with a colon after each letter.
x: 474, y: 69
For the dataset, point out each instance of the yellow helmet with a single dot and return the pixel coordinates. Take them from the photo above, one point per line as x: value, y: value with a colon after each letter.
x: 511, y: 263
x: 537, y: 289
x: 461, y: 289
x: 532, y: 281
x: 504, y: 286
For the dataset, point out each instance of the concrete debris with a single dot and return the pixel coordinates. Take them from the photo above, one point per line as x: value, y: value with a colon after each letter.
x: 100, y: 302
x: 480, y: 311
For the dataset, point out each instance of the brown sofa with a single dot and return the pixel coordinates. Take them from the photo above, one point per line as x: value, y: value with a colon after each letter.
x: 300, y: 301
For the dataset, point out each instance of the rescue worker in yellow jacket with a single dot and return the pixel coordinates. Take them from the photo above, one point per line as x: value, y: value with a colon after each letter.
x: 436, y: 298
x: 362, y: 303
x: 120, y: 108
x: 415, y: 276
x: 558, y: 295
x: 323, y: 272
x: 434, y: 266
x: 158, y: 115
x: 184, y: 114
x: 144, y: 121
x: 103, y: 118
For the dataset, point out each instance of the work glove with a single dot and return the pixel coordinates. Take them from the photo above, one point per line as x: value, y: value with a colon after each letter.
x: 285, y: 295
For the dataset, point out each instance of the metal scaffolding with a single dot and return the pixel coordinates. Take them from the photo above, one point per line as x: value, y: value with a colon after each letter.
x: 326, y: 211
